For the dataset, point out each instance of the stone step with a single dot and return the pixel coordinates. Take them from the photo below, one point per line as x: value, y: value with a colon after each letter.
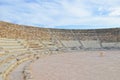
x: 23, y: 56
x: 12, y: 47
x: 8, y: 40
x: 110, y: 45
x: 4, y: 57
x: 48, y: 43
x: 18, y: 50
x: 6, y: 48
x: 93, y: 44
x: 2, y: 52
x: 6, y: 65
x: 10, y: 44
x: 71, y: 43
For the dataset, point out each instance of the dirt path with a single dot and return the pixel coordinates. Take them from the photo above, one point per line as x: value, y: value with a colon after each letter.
x: 17, y: 73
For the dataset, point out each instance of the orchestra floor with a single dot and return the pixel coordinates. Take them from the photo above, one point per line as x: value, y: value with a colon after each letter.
x: 83, y: 65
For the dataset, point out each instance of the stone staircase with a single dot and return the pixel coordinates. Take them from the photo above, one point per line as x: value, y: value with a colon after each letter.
x: 12, y: 53
x: 11, y: 45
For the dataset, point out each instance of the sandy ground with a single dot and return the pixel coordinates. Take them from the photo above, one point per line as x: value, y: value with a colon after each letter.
x: 88, y: 65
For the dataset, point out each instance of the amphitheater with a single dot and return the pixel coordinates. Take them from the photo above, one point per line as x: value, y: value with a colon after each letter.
x: 33, y: 53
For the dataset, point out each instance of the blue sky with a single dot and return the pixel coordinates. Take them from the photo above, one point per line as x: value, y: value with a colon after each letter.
x: 62, y: 13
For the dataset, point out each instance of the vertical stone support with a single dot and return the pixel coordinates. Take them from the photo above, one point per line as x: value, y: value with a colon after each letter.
x: 77, y: 38
x: 52, y: 35
x: 98, y: 39
x: 117, y: 36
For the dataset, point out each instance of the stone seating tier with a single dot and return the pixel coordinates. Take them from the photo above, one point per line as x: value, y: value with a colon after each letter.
x: 19, y: 43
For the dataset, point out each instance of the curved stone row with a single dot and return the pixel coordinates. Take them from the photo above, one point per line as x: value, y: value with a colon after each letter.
x: 16, y: 51
x: 61, y: 38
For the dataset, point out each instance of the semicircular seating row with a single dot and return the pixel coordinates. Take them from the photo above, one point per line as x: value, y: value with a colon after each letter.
x: 15, y: 50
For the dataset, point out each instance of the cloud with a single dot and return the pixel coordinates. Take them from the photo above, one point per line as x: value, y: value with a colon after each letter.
x: 114, y: 12
x: 52, y: 13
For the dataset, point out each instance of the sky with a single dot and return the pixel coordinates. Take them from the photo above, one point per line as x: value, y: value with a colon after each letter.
x: 82, y: 14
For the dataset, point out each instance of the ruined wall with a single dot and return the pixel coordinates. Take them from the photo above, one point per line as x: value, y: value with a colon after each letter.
x: 8, y: 30
x: 97, y: 38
